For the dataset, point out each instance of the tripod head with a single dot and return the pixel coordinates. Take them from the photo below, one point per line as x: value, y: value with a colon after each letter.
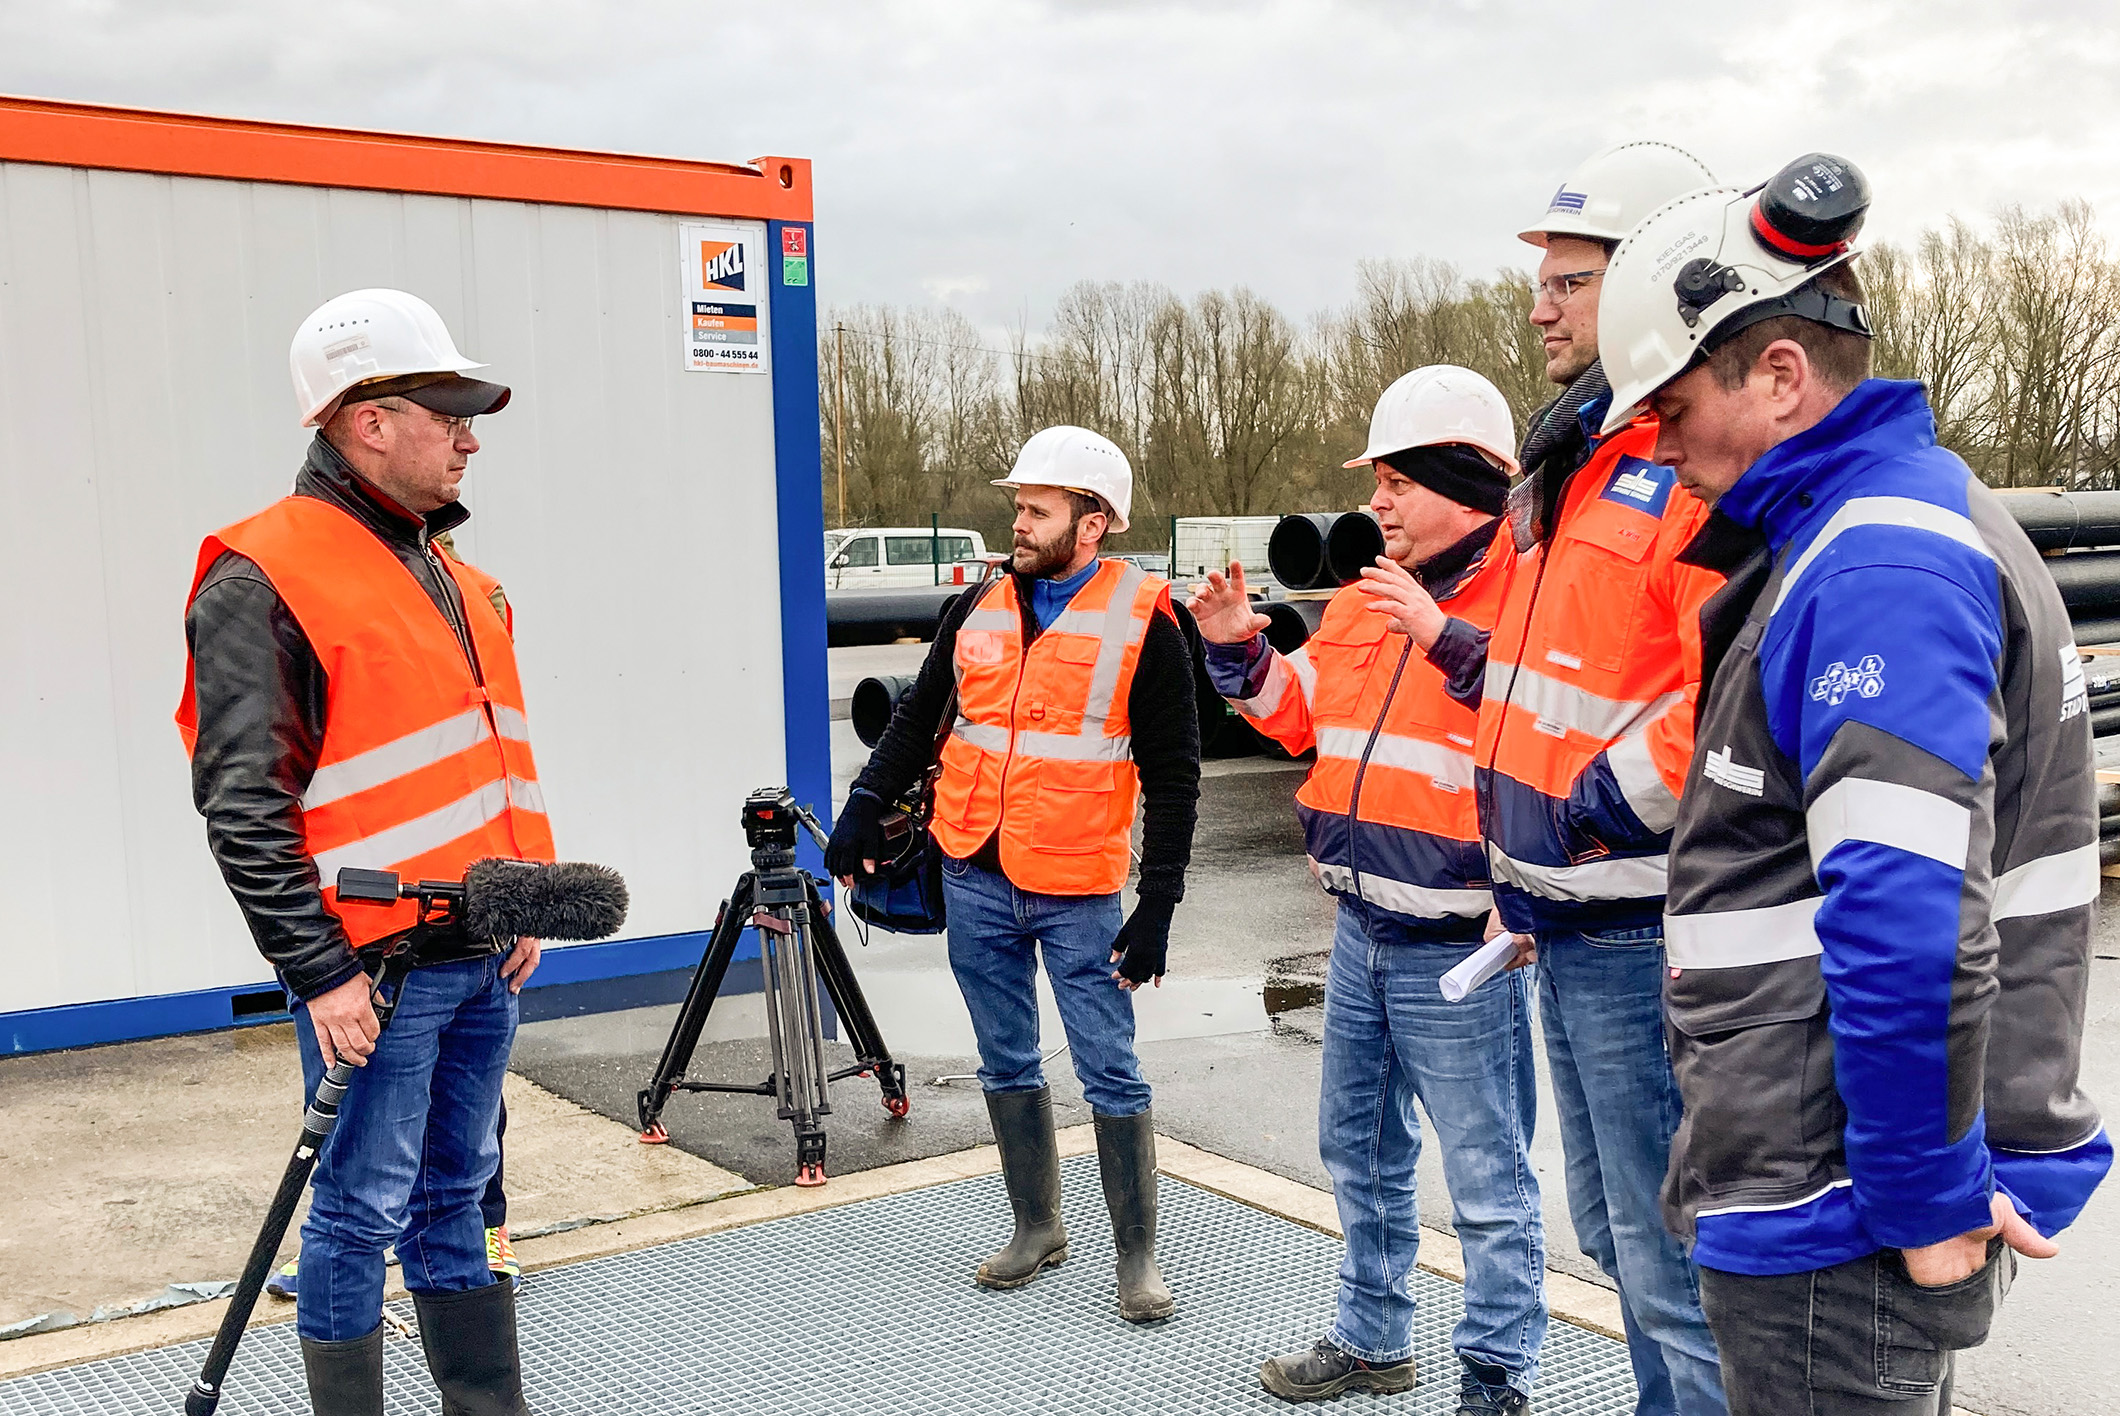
x: 771, y: 816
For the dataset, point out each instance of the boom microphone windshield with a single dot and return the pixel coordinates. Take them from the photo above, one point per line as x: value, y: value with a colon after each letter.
x: 505, y: 899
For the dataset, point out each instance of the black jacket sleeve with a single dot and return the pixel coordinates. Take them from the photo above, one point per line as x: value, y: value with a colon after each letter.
x: 907, y: 747
x: 1163, y: 708
x: 261, y: 693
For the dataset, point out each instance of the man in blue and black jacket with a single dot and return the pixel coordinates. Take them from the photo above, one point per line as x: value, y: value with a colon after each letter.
x: 1886, y: 854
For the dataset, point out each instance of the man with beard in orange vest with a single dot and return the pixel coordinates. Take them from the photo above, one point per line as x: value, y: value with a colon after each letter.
x: 1074, y: 699
x: 352, y: 699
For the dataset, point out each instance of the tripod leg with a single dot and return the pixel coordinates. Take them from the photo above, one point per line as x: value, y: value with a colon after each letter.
x: 862, y: 1032
x: 699, y: 1001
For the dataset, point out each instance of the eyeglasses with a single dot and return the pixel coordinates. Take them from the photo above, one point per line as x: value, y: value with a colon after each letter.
x: 455, y: 427
x: 1555, y: 289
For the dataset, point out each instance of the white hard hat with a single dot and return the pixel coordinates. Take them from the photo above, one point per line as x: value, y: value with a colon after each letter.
x: 1079, y: 460
x: 1438, y: 404
x: 1609, y: 194
x: 372, y: 334
x: 1718, y: 261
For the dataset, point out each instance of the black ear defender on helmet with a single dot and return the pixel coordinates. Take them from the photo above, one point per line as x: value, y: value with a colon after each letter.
x: 1808, y: 213
x: 1812, y: 208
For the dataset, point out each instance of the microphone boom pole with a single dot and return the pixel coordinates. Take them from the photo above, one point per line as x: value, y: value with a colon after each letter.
x: 497, y: 899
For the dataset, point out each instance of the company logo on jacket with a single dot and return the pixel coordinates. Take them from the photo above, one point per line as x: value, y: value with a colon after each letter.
x: 721, y: 265
x: 2075, y: 697
x: 1642, y: 485
x: 1719, y: 769
x: 1866, y: 679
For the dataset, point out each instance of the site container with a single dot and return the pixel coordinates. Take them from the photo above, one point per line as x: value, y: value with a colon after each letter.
x: 650, y: 500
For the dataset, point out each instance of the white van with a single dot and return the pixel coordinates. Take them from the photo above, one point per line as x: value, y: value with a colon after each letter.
x: 899, y: 555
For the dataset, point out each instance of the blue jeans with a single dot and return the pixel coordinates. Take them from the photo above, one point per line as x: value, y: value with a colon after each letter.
x: 1601, y: 1002
x: 412, y: 1152
x: 1391, y: 1038
x: 994, y: 928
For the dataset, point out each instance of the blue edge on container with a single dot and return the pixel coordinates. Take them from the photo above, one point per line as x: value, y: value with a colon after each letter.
x: 625, y: 973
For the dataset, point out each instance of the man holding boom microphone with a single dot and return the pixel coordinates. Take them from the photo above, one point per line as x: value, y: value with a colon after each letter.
x: 351, y: 699
x: 1392, y: 831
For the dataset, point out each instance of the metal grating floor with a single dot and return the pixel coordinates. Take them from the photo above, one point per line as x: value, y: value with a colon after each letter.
x: 870, y: 1309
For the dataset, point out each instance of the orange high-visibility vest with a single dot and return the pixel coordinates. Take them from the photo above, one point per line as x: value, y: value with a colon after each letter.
x: 1596, y: 650
x: 1388, y: 812
x: 1042, y: 745
x: 423, y: 768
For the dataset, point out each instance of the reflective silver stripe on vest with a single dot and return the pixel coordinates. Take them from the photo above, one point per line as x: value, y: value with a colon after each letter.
x: 987, y: 737
x: 1882, y: 511
x: 1735, y: 939
x: 985, y: 619
x: 1417, y: 901
x: 1627, y: 878
x: 1074, y: 747
x: 1888, y: 814
x: 1640, y: 783
x: 1117, y: 627
x: 2048, y: 885
x: 526, y: 795
x: 436, y: 743
x: 1446, y: 765
x: 409, y: 839
x: 1568, y: 705
x: 1120, y: 626
x: 513, y: 725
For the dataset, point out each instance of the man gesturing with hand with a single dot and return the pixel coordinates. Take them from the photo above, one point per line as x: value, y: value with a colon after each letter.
x: 1391, y: 831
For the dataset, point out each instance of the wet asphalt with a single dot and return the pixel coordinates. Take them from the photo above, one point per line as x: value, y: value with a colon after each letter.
x: 1232, y: 1077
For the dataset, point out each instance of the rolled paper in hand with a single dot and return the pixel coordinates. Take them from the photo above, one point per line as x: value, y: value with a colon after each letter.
x: 1478, y: 967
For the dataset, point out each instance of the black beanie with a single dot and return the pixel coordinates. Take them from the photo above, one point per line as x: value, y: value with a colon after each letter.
x: 1456, y: 471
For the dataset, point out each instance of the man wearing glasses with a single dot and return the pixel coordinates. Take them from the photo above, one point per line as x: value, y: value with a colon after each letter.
x: 1585, y: 733
x: 352, y: 699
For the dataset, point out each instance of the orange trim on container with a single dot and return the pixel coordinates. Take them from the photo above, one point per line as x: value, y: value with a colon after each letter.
x: 190, y: 145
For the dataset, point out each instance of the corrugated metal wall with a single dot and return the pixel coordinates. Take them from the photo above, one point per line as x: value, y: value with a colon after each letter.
x: 626, y: 505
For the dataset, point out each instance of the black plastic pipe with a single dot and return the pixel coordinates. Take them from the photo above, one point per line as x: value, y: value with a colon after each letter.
x: 2088, y: 580
x: 2059, y: 520
x: 1352, y: 545
x: 1295, y: 552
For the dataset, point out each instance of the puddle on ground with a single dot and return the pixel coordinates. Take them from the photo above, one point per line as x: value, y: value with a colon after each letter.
x: 922, y: 1014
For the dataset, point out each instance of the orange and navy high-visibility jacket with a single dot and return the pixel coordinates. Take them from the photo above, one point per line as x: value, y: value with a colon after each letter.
x: 425, y: 762
x: 1388, y: 811
x: 1586, y: 722
x: 1042, y: 746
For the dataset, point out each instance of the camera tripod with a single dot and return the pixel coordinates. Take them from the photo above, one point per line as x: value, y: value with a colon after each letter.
x: 796, y: 945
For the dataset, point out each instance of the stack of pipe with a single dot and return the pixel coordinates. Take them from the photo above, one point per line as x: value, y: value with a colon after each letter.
x: 2079, y: 534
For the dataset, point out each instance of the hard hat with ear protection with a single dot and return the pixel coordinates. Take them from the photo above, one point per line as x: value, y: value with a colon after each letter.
x: 1718, y: 261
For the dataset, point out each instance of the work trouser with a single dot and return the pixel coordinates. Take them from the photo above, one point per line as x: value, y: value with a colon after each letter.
x: 997, y: 933
x: 1601, y: 1004
x: 1857, y: 1339
x: 1391, y: 1037
x: 412, y: 1152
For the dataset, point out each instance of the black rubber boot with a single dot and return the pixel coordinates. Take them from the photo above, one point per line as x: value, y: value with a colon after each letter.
x: 345, y: 1378
x: 470, y: 1342
x: 1126, y: 1153
x: 1030, y: 1167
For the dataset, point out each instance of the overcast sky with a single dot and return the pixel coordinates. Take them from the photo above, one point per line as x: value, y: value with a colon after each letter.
x: 988, y: 153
